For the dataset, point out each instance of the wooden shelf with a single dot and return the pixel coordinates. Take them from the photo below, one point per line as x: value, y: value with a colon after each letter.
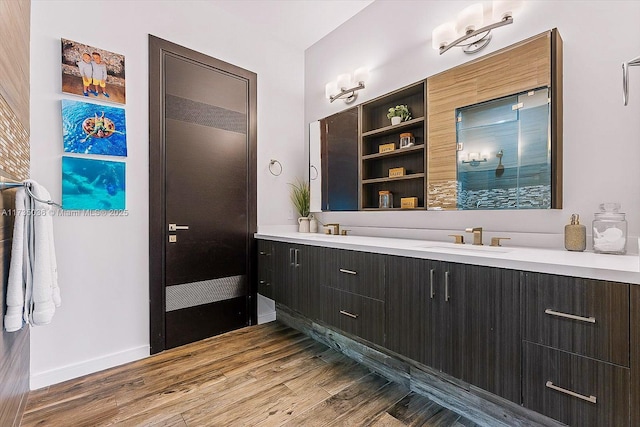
x: 396, y: 152
x: 387, y: 179
x: 391, y: 129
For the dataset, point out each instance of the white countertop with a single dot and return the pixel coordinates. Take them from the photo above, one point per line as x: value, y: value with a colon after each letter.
x: 619, y: 268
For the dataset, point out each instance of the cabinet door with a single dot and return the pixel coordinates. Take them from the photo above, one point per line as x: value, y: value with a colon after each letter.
x: 411, y: 294
x: 492, y: 338
x: 582, y: 316
x: 283, y: 263
x: 265, y: 268
x: 449, y: 321
x: 362, y: 316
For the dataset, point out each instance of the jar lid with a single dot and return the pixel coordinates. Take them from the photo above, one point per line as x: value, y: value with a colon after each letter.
x: 383, y: 192
x: 406, y: 135
x: 609, y: 216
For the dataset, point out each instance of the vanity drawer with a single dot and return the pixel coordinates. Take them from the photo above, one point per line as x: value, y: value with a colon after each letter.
x: 588, y: 317
x: 360, y: 316
x: 357, y: 272
x: 573, y: 389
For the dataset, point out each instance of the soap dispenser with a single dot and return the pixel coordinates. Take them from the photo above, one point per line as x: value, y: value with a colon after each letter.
x: 575, y: 235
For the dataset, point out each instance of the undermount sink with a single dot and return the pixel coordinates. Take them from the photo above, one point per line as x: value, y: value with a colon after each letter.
x: 464, y: 248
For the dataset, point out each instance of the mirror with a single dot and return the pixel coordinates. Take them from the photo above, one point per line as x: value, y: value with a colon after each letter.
x: 333, y: 162
x: 503, y: 153
x: 498, y: 157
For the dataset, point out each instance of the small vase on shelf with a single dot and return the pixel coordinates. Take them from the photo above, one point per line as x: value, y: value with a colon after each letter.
x: 396, y: 120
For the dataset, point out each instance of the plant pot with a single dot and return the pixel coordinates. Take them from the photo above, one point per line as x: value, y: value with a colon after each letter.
x: 396, y: 120
x: 303, y: 224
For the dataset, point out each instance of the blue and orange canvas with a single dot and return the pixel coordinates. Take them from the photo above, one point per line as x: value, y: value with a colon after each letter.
x: 93, y: 129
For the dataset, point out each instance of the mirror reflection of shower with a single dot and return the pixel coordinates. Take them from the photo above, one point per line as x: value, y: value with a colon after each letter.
x: 503, y: 156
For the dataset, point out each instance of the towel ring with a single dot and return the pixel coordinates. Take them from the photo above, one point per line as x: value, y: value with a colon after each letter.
x: 315, y: 169
x: 273, y: 162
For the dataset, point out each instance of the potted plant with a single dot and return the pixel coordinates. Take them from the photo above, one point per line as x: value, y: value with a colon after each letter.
x: 301, y: 198
x: 398, y: 114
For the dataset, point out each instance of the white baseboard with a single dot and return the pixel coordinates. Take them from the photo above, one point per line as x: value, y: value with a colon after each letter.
x: 64, y: 373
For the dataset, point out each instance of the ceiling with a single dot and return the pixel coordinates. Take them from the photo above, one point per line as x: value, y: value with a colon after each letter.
x: 299, y: 23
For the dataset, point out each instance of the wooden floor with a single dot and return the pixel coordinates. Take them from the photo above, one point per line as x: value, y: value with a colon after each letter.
x: 267, y: 375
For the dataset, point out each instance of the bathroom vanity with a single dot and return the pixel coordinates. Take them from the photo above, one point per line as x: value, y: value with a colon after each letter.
x: 501, y: 334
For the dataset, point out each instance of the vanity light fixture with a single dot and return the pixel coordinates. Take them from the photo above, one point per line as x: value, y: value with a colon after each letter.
x: 625, y: 78
x: 469, y: 28
x: 345, y: 87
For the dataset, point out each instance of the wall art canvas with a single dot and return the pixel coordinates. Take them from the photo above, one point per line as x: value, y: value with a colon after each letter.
x: 93, y: 129
x: 89, y: 184
x: 92, y: 72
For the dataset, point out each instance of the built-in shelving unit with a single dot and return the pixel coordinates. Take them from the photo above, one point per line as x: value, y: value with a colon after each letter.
x: 376, y: 130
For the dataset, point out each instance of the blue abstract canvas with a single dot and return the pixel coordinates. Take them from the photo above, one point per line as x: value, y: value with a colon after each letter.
x: 89, y: 184
x: 93, y: 129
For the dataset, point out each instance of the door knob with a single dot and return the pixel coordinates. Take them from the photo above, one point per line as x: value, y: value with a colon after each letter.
x: 174, y: 227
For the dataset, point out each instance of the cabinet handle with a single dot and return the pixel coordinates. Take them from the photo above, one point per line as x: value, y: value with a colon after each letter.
x: 570, y: 316
x: 264, y: 253
x: 446, y: 286
x: 264, y: 282
x: 344, y: 270
x: 432, y: 273
x: 346, y: 313
x: 591, y: 399
x: 296, y: 258
x: 291, y: 250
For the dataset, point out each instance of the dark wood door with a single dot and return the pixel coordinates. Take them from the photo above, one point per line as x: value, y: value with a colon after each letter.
x: 203, y: 154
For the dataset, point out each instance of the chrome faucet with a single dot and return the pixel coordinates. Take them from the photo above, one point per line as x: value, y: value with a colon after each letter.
x: 477, y: 235
x: 336, y: 229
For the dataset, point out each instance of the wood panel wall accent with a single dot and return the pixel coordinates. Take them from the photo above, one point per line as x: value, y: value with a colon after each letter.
x: 523, y: 66
x: 14, y: 87
x: 15, y: 18
x: 15, y: 27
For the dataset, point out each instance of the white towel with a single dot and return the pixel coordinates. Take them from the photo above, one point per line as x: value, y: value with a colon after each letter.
x: 32, y: 292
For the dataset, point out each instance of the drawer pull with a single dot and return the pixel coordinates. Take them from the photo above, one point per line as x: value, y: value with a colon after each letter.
x: 346, y: 313
x: 264, y: 282
x: 570, y: 316
x: 344, y: 270
x: 264, y: 253
x: 447, y: 297
x: 591, y: 399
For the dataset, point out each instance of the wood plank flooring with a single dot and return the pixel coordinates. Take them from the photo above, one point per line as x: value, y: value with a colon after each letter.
x: 267, y: 375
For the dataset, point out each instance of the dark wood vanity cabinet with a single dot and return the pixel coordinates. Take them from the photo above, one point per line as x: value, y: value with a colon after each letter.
x: 577, y: 349
x: 463, y: 320
x: 565, y: 347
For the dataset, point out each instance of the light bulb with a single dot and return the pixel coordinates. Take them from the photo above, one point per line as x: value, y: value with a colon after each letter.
x: 470, y: 19
x: 443, y: 35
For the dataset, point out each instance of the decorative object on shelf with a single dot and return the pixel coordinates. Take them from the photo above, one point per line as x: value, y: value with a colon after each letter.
x: 386, y: 148
x: 407, y: 140
x: 575, y: 235
x: 469, y: 27
x: 408, y: 202
x: 273, y: 162
x: 625, y: 77
x: 610, y: 230
x: 397, y: 172
x: 346, y: 86
x: 301, y: 197
x: 385, y: 199
x: 399, y: 114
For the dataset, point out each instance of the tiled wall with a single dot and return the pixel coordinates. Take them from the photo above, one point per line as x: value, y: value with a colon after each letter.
x: 14, y: 143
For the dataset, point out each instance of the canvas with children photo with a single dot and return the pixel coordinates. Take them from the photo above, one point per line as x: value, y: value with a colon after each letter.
x: 93, y: 73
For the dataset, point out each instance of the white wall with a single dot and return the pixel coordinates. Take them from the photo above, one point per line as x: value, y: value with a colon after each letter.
x: 103, y: 262
x: 601, y: 137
